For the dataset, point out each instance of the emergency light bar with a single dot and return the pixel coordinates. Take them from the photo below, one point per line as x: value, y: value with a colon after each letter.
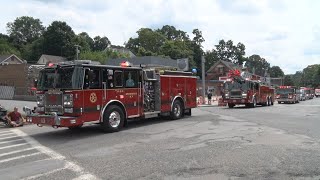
x: 125, y: 64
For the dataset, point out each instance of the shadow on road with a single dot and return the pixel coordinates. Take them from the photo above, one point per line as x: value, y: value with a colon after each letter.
x: 95, y: 130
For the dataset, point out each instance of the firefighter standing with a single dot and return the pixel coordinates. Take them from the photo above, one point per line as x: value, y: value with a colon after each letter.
x: 209, y: 96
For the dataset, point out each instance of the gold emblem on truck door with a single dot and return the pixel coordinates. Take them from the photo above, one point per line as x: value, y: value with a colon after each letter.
x: 93, y: 97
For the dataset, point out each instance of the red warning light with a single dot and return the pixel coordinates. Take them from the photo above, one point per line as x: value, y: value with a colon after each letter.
x: 125, y: 64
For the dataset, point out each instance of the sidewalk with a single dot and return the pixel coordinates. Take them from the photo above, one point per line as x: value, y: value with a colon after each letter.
x: 213, y: 104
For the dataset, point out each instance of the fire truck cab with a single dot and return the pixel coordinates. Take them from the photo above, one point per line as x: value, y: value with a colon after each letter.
x: 288, y: 94
x: 70, y: 95
x: 247, y: 91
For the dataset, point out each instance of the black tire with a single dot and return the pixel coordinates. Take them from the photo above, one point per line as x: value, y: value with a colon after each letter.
x: 231, y: 105
x: 279, y: 102
x: 254, y: 103
x: 177, y: 110
x: 188, y: 113
x: 75, y: 127
x: 271, y: 102
x: 113, y: 119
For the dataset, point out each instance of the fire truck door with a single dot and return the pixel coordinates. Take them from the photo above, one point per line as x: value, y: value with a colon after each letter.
x: 92, y: 94
x: 132, y: 84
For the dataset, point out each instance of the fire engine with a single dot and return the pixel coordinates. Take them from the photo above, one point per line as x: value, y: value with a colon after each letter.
x: 288, y: 94
x: 308, y: 92
x: 317, y: 92
x: 73, y: 94
x: 247, y: 89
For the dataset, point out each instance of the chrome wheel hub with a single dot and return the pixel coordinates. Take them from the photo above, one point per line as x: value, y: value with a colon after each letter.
x: 114, y: 119
x: 177, y: 110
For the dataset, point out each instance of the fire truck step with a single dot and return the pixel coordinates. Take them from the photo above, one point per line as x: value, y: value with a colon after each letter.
x: 151, y: 114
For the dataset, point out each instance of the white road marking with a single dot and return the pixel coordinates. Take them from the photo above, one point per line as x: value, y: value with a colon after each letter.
x: 19, y: 157
x: 43, y: 174
x: 3, y: 142
x: 54, y: 155
x: 11, y: 146
x: 8, y: 137
x: 4, y: 134
x: 84, y: 177
x: 18, y: 151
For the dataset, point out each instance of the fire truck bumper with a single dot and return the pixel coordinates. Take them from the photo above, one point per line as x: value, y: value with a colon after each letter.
x: 236, y: 101
x: 285, y: 100
x: 53, y: 120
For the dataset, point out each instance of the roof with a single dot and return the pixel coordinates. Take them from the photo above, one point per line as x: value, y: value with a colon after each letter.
x: 145, y: 60
x: 52, y: 58
x: 6, y: 57
x: 229, y: 65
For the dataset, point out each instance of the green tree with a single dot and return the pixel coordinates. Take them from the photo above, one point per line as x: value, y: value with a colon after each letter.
x: 6, y: 48
x: 276, y: 72
x: 4, y: 37
x: 211, y: 59
x: 101, y: 56
x: 24, y: 30
x: 227, y: 51
x: 288, y: 80
x: 311, y: 75
x: 257, y: 65
x: 196, y: 47
x: 100, y: 43
x: 175, y: 49
x: 147, y: 42
x: 58, y: 40
x: 32, y: 52
x: 297, y: 79
x: 88, y: 39
x: 82, y: 42
x: 171, y: 33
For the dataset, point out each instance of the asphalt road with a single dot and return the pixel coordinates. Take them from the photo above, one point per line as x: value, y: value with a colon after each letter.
x: 276, y: 142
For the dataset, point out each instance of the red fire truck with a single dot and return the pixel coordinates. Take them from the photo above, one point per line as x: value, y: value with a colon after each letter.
x: 288, y: 94
x: 70, y: 95
x: 308, y: 92
x: 317, y: 92
x: 247, y: 89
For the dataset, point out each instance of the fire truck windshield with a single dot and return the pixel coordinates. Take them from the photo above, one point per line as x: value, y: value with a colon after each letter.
x: 236, y: 85
x: 285, y: 91
x: 61, y: 78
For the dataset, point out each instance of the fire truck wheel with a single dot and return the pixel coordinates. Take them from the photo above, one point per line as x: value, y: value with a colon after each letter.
x: 188, y: 113
x: 254, y: 103
x: 176, y: 112
x: 231, y: 105
x: 271, y: 102
x: 268, y: 101
x: 113, y: 119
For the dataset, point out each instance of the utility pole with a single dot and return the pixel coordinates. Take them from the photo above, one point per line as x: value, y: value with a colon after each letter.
x: 203, y: 77
x: 77, y: 50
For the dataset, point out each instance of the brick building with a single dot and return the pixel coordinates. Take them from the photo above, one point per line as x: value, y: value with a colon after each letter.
x: 215, y: 75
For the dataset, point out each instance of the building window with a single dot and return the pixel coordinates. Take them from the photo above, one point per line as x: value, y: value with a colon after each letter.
x: 221, y: 70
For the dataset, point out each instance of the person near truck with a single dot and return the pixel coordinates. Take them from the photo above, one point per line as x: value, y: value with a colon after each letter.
x: 14, y: 118
x: 209, y: 96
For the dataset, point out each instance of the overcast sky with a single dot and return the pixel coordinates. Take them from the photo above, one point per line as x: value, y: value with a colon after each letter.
x: 285, y: 32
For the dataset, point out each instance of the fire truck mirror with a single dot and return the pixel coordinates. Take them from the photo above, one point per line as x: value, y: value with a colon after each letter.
x: 110, y: 72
